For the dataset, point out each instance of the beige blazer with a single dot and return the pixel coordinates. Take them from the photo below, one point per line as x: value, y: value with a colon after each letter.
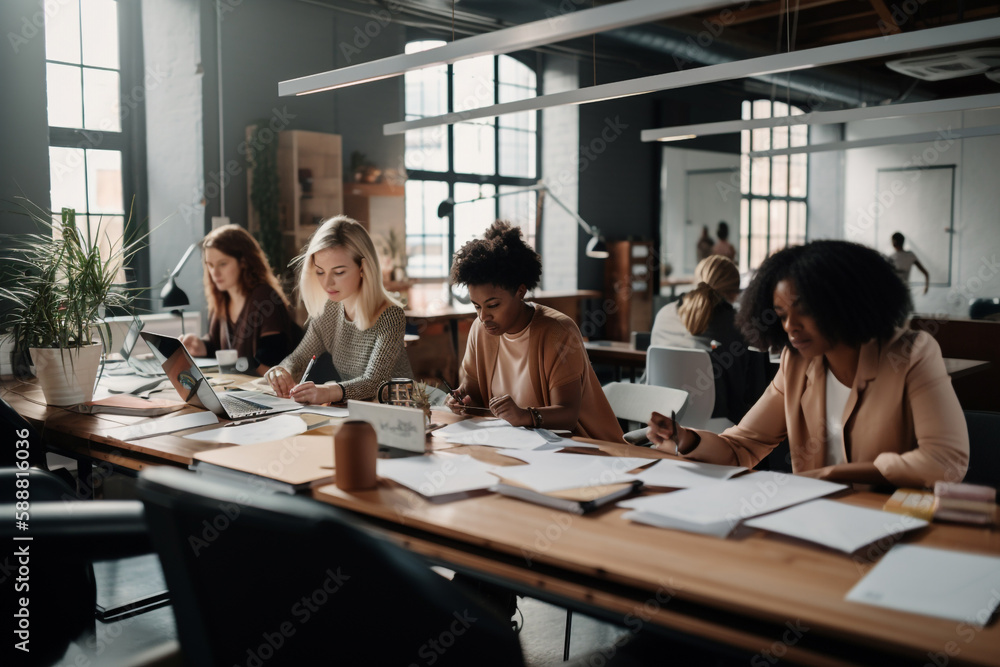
x: 556, y: 357
x: 902, y: 415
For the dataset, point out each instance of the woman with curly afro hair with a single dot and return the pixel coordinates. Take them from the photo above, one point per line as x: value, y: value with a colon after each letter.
x: 526, y: 362
x: 859, y: 397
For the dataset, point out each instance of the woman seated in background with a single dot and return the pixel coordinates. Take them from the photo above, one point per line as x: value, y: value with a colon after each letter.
x: 351, y: 316
x: 704, y: 319
x: 526, y: 362
x: 248, y: 311
x: 859, y: 398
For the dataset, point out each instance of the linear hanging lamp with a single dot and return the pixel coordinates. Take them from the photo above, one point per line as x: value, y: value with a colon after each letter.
x: 556, y: 28
x: 875, y: 47
x: 946, y: 134
x: 681, y: 132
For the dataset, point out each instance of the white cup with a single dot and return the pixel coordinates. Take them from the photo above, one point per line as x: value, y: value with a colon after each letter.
x: 227, y: 360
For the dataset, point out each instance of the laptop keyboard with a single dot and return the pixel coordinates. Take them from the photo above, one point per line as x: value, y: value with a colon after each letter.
x: 147, y: 366
x: 240, y: 407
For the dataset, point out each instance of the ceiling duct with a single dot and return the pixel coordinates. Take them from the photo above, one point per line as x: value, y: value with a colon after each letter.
x: 949, y: 65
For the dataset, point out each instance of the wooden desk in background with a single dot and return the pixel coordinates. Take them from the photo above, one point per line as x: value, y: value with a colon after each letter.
x: 433, y: 316
x: 745, y: 591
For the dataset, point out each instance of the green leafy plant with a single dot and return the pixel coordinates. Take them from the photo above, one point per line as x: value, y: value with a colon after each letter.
x: 59, y: 283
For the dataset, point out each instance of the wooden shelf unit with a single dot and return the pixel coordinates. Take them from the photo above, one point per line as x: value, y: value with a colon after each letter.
x: 630, y: 279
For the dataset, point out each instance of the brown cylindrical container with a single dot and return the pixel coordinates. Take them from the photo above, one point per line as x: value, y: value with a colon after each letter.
x: 355, y: 448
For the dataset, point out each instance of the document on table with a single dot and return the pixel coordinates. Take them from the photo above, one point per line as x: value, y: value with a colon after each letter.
x: 328, y: 410
x: 506, y: 437
x: 947, y: 584
x: 160, y: 426
x: 438, y: 474
x: 554, y: 472
x: 472, y: 426
x: 686, y: 474
x: 716, y: 509
x: 836, y: 525
x: 267, y: 430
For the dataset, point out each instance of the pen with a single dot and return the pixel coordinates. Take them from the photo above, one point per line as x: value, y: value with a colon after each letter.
x: 309, y: 367
x: 453, y: 392
x: 673, y: 427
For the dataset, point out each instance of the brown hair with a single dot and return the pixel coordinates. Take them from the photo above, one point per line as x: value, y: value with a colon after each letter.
x: 716, y: 275
x: 236, y: 242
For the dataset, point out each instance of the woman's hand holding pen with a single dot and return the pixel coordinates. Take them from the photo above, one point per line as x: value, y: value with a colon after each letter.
x: 663, y: 429
x: 315, y: 394
x: 457, y: 399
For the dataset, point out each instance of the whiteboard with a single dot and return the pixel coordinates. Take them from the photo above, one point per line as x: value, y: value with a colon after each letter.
x: 919, y: 204
x: 711, y: 197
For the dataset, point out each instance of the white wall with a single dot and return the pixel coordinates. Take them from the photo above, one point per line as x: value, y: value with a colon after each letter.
x: 677, y: 162
x: 975, y: 271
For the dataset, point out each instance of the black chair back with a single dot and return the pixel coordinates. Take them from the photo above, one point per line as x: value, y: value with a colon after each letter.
x: 284, y: 580
x: 984, y: 448
x: 14, y: 426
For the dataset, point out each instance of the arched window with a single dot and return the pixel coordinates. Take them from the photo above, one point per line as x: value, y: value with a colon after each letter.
x: 773, y: 204
x: 466, y: 160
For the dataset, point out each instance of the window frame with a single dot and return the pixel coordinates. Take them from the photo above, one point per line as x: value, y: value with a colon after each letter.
x: 496, y: 180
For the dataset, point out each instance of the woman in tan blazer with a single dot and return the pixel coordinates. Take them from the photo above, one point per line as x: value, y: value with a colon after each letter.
x: 860, y: 398
x: 526, y: 362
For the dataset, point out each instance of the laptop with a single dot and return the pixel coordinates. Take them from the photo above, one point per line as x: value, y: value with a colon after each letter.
x: 193, y: 386
x: 141, y: 365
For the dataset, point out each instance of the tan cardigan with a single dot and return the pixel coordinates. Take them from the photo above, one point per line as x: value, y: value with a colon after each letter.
x: 556, y: 357
x: 902, y: 415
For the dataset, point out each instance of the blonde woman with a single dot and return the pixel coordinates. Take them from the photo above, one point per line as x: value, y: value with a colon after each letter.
x: 351, y: 316
x: 248, y: 311
x: 704, y: 318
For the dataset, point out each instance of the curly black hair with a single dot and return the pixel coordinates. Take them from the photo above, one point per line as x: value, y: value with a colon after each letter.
x: 500, y: 258
x: 850, y: 290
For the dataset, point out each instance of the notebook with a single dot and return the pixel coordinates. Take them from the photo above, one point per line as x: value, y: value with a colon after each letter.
x: 193, y: 387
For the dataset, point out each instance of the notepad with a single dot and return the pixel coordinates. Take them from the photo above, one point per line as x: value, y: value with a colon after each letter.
x: 947, y: 584
x: 716, y: 509
x: 164, y: 425
x: 271, y: 429
x: 837, y: 525
x: 686, y: 474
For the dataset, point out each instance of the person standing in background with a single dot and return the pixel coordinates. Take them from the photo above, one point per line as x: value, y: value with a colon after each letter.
x: 705, y: 244
x: 723, y: 246
x: 903, y: 260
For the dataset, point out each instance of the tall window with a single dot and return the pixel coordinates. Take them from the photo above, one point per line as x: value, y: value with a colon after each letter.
x: 88, y: 122
x: 467, y: 160
x: 773, y: 204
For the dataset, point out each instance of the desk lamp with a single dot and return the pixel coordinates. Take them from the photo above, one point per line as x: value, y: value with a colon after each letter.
x: 173, y: 296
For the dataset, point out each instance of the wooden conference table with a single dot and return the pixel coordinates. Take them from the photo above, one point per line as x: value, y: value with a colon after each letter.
x: 755, y: 591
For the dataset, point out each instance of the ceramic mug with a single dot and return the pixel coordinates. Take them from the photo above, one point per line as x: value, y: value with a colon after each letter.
x: 355, y: 448
x: 397, y: 391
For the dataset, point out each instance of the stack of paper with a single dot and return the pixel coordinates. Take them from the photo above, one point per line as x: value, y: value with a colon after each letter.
x: 159, y: 426
x: 492, y: 433
x: 837, y: 525
x: 438, y: 474
x: 266, y: 430
x: 686, y: 474
x: 716, y: 509
x: 550, y: 471
x: 936, y: 582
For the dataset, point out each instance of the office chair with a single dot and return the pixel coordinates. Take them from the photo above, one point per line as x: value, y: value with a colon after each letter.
x: 984, y: 448
x: 285, y: 580
x: 635, y: 402
x: 67, y: 535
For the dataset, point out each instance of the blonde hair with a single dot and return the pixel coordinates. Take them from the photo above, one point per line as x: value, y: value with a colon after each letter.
x: 343, y: 232
x: 716, y: 276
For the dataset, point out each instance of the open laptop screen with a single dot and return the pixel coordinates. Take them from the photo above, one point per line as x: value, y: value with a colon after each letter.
x: 131, y: 338
x: 182, y: 371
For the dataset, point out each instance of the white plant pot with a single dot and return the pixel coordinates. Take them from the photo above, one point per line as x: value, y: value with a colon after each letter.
x: 67, y: 376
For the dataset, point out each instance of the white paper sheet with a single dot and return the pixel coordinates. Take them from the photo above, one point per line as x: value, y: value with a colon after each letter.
x: 438, y: 474
x: 472, y: 426
x: 162, y: 425
x: 836, y: 525
x: 267, y: 430
x: 717, y: 508
x: 947, y: 584
x: 686, y: 474
x: 506, y: 437
x: 328, y: 410
x: 555, y: 472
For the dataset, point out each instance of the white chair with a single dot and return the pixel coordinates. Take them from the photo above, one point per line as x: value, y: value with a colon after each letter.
x: 688, y: 369
x: 635, y: 402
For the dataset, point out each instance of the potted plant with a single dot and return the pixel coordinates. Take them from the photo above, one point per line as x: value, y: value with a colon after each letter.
x: 58, y: 286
